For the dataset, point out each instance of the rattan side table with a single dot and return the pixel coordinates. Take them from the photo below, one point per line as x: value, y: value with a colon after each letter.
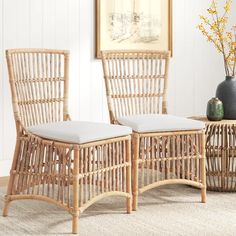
x: 220, y: 154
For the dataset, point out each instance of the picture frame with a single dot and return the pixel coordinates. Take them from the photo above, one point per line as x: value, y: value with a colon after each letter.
x: 133, y: 24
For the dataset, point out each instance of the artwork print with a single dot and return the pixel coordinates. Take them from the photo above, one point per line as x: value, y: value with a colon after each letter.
x: 132, y: 24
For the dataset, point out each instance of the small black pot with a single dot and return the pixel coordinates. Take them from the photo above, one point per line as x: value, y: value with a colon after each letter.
x: 226, y: 92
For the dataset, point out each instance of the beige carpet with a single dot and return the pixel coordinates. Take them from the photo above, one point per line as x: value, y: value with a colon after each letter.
x: 166, y: 211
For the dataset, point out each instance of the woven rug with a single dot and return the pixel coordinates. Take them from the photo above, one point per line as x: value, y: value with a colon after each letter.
x: 174, y: 210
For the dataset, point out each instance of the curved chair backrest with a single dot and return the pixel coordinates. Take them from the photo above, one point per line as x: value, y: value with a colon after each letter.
x: 136, y: 82
x: 39, y: 85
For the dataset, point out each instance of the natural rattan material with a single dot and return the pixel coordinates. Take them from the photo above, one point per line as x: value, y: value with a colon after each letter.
x: 136, y: 83
x: 69, y: 175
x: 220, y: 155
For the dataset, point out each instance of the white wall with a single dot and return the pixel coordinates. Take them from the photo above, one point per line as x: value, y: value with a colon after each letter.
x: 196, y: 69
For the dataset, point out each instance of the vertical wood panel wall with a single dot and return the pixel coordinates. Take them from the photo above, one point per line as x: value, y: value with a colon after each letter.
x: 196, y: 69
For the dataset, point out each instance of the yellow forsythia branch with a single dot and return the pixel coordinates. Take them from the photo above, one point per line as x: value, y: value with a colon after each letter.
x: 213, y: 28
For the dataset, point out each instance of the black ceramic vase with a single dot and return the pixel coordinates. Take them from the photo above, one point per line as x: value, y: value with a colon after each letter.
x: 226, y: 92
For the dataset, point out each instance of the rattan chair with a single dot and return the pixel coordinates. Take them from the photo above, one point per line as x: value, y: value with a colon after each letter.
x: 68, y: 163
x: 166, y: 149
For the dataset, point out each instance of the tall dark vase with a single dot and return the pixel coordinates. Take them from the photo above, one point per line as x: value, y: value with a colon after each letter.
x: 226, y: 92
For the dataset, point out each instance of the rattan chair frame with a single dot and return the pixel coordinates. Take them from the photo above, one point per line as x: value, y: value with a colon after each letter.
x: 69, y: 175
x: 136, y: 82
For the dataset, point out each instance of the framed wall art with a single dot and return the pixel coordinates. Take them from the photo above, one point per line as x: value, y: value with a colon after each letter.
x: 133, y: 24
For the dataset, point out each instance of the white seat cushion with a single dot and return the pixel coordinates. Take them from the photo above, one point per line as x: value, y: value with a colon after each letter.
x: 158, y: 123
x: 79, y: 131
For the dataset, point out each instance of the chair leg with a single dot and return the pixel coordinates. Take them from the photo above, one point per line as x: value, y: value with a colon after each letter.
x: 128, y: 177
x: 135, y: 140
x: 75, y: 192
x: 134, y: 186
x: 203, y: 170
x: 203, y: 194
x: 6, y: 207
x: 11, y: 180
x: 75, y: 224
x: 129, y: 205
